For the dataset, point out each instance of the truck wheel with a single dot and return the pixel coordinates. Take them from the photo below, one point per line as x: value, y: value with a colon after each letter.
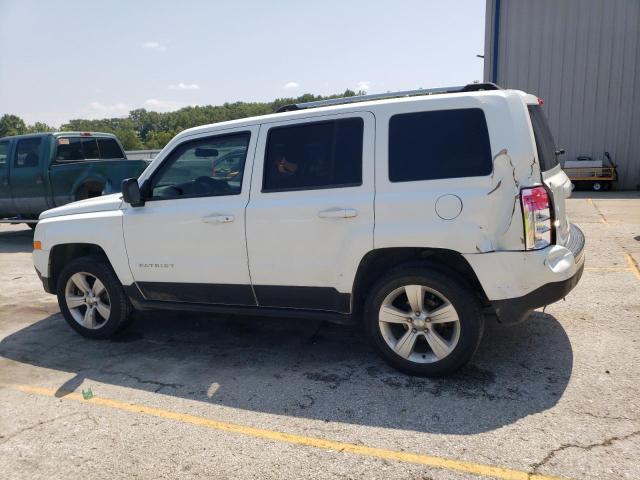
x: 597, y: 186
x: 91, y: 298
x: 423, y: 321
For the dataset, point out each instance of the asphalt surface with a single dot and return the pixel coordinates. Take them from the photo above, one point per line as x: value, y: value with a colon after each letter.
x: 189, y: 396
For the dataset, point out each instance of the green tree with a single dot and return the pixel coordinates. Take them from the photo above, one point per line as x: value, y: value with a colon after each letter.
x: 12, y: 125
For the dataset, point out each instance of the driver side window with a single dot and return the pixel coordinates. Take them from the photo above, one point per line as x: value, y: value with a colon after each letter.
x: 205, y: 167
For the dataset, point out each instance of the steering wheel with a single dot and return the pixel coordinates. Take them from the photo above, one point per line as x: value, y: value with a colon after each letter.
x: 209, y: 184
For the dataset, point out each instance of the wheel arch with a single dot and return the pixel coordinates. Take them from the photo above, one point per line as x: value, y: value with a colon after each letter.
x: 94, y: 183
x: 378, y: 262
x: 64, y: 253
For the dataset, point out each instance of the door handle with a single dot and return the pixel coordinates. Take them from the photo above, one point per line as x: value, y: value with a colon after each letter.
x: 338, y: 213
x: 218, y: 218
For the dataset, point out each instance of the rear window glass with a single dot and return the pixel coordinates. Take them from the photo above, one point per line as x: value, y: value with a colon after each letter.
x: 109, y: 148
x: 439, y: 144
x: 75, y: 149
x: 545, y: 144
x: 90, y: 148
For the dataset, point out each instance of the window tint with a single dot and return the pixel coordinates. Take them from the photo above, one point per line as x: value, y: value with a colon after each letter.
x: 28, y: 153
x: 69, y: 150
x: 4, y: 152
x: 90, y: 148
x: 109, y: 148
x: 545, y: 143
x: 314, y: 155
x: 439, y: 144
x: 211, y: 166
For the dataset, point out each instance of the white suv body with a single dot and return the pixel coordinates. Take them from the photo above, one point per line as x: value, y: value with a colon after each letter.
x: 309, y: 212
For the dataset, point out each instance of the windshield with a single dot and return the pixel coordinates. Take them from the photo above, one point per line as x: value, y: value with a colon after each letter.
x: 545, y: 143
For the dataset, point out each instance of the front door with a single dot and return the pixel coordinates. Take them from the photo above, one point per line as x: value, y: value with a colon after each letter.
x: 187, y: 243
x: 310, y: 217
x: 28, y: 183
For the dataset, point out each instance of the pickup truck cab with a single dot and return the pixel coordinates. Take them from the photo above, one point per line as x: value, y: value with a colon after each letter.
x: 46, y: 170
x: 414, y: 215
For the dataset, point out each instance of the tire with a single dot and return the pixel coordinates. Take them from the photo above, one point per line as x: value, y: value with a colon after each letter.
x: 440, y: 289
x: 596, y: 186
x: 111, y: 307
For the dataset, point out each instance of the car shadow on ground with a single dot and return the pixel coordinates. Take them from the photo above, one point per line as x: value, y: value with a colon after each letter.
x: 16, y: 241
x: 309, y: 369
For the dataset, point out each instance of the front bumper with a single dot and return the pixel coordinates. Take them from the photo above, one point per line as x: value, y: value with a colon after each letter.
x: 515, y: 310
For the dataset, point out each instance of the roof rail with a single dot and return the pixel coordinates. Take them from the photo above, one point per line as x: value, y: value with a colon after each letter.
x: 471, y: 87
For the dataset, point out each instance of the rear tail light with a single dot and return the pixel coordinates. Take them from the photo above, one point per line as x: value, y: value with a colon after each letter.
x: 536, y: 212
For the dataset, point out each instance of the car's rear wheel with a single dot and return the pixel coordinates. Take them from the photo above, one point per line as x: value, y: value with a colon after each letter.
x: 91, y: 298
x: 423, y: 321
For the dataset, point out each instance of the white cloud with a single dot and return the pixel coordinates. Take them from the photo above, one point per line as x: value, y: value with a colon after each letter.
x: 184, y: 86
x: 291, y: 85
x: 363, y: 85
x: 162, y: 105
x: 153, y: 45
x: 101, y: 110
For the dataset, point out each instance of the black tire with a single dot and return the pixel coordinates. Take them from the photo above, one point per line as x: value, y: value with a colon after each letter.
x: 120, y: 307
x: 596, y: 186
x: 464, y: 301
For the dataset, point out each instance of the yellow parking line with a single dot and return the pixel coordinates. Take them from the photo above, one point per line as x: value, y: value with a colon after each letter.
x: 633, y: 265
x: 608, y: 269
x: 428, y: 460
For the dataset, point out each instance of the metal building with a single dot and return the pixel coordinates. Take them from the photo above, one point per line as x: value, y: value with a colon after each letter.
x: 582, y: 57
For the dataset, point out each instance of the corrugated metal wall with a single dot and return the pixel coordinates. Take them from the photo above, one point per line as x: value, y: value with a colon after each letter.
x: 583, y: 58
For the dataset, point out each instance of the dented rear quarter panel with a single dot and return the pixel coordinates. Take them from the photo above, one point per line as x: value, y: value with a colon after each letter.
x: 491, y: 218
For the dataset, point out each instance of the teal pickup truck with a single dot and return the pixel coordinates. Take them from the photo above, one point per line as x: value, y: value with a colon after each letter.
x: 45, y: 170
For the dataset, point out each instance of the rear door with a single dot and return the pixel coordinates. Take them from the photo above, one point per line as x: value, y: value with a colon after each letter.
x: 310, y: 217
x: 28, y: 182
x: 552, y: 173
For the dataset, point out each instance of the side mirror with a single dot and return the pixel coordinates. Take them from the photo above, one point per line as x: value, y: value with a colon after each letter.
x: 131, y: 192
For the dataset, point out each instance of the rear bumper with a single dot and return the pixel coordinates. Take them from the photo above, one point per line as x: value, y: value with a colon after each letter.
x: 515, y: 310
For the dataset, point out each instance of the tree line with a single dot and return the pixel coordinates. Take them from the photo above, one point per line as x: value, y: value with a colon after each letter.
x: 143, y: 129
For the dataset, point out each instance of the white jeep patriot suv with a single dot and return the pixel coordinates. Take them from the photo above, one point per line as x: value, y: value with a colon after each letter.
x: 416, y: 214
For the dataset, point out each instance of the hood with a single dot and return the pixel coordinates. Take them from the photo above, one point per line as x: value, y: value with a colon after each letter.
x: 96, y: 204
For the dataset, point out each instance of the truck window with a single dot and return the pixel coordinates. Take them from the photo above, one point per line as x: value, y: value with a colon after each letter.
x: 4, y: 151
x: 439, y: 144
x: 545, y: 144
x: 69, y: 149
x: 109, y: 149
x: 28, y: 153
x: 90, y: 148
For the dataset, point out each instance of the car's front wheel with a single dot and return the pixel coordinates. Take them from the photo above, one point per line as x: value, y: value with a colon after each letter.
x: 91, y: 298
x: 423, y: 321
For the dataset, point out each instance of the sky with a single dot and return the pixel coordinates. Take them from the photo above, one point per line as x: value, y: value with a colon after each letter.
x: 101, y: 58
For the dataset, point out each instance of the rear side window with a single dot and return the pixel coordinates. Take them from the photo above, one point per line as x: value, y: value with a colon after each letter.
x: 545, y: 144
x: 109, y: 148
x: 28, y: 153
x: 439, y: 144
x: 314, y: 155
x: 4, y: 152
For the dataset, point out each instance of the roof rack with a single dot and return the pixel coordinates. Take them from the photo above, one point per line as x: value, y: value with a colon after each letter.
x: 471, y: 87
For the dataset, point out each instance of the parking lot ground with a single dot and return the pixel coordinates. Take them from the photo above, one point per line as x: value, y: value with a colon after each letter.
x: 189, y: 396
